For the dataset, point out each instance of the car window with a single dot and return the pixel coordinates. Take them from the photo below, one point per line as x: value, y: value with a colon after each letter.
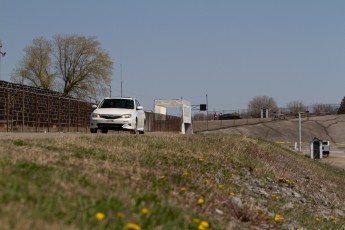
x: 117, y: 103
x: 129, y: 104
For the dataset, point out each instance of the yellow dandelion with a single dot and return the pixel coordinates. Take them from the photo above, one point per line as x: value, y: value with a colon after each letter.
x: 201, y: 159
x: 205, y: 180
x: 204, y: 224
x: 333, y: 219
x: 120, y: 214
x: 221, y: 186
x: 100, y: 215
x: 200, y: 227
x: 144, y: 211
x: 278, y: 218
x: 132, y: 226
x: 317, y: 219
x: 183, y: 189
x: 232, y: 194
x: 201, y: 201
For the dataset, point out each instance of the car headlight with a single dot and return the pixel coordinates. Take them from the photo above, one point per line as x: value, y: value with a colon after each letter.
x: 126, y: 116
x: 96, y: 115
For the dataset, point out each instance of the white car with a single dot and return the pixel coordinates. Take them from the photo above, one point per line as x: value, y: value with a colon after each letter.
x: 118, y: 113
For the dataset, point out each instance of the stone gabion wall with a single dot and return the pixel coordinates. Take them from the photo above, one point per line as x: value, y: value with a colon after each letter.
x: 26, y: 108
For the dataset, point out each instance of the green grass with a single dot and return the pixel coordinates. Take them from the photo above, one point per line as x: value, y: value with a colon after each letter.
x: 64, y: 183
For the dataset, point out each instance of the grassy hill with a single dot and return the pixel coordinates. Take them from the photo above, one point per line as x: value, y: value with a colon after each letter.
x: 165, y: 182
x: 330, y: 127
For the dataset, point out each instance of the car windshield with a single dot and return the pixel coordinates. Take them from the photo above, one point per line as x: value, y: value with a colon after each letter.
x: 117, y: 103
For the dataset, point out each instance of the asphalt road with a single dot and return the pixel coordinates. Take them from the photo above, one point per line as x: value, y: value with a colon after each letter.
x: 336, y: 157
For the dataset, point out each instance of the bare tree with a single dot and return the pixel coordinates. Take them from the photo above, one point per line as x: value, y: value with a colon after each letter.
x: 35, y: 67
x: 296, y: 106
x: 75, y: 65
x: 260, y: 102
x: 85, y: 69
x: 323, y: 109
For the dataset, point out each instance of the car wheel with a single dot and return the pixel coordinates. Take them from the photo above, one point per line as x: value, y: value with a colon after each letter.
x: 134, y: 131
x: 104, y: 130
x: 143, y: 131
x: 93, y: 130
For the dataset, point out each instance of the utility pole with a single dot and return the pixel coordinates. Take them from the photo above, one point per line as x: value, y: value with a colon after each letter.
x: 206, y: 112
x: 300, y: 131
x: 121, y: 77
x: 2, y: 54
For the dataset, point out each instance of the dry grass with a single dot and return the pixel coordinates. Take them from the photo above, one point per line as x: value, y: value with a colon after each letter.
x: 156, y: 182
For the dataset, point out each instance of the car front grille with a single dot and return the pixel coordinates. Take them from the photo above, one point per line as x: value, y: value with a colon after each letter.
x: 110, y: 116
x: 110, y: 126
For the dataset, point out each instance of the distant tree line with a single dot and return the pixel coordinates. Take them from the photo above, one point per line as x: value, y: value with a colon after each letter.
x: 292, y: 108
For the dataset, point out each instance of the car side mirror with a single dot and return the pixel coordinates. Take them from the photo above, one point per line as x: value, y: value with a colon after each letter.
x: 140, y: 108
x: 94, y: 106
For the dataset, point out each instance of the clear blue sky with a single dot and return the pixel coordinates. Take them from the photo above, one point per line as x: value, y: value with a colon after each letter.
x: 231, y: 50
